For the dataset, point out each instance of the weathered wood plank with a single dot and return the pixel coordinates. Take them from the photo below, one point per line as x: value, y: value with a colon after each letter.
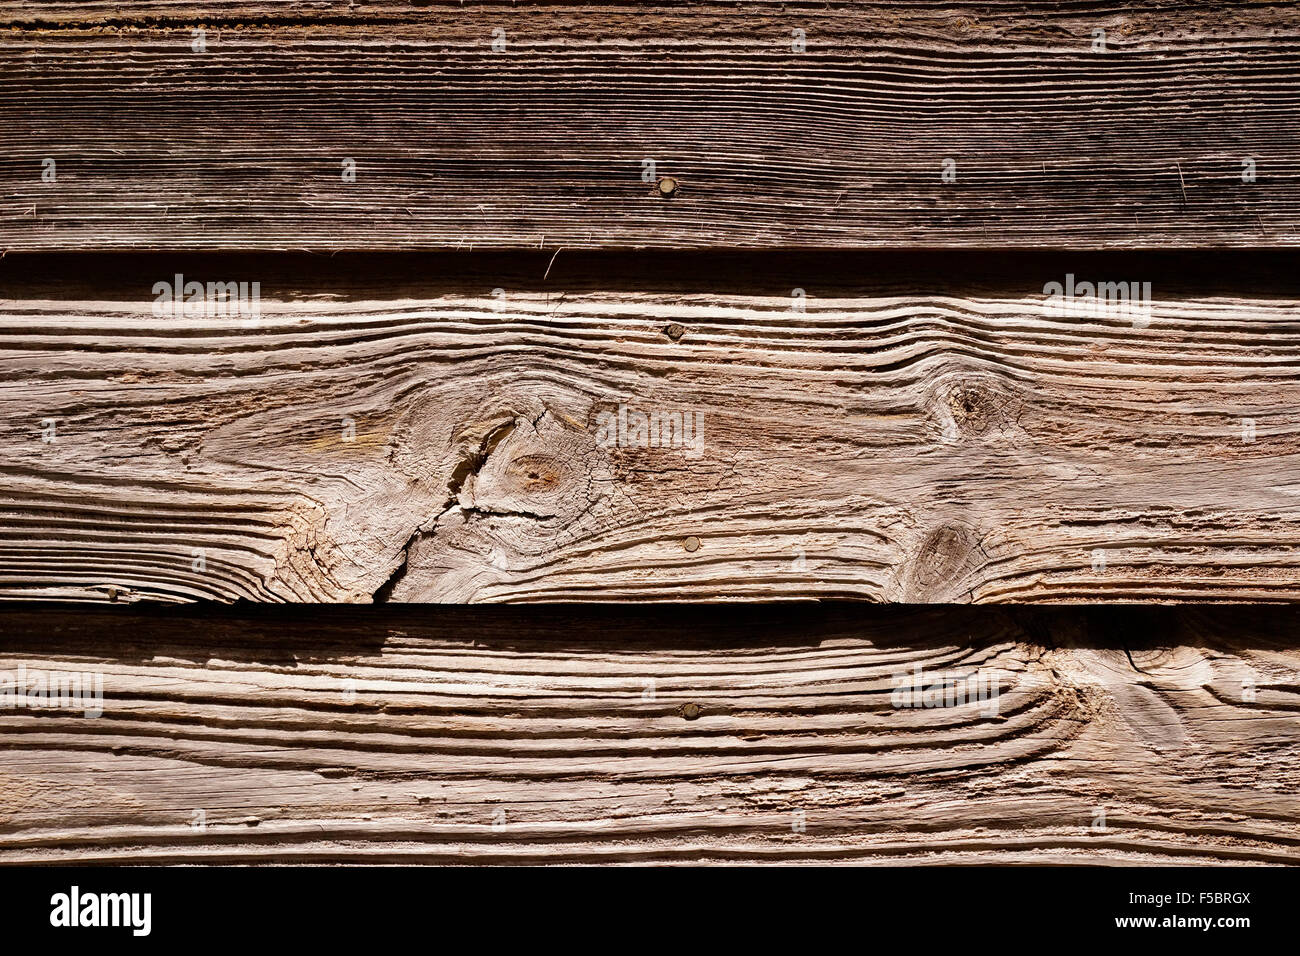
x: 412, y: 436
x: 542, y: 144
x: 655, y: 735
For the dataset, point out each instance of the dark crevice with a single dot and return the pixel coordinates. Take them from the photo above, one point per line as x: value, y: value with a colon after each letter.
x: 360, y: 276
x: 384, y: 593
x: 501, y: 513
x: 296, y: 635
x: 473, y: 462
x: 469, y: 466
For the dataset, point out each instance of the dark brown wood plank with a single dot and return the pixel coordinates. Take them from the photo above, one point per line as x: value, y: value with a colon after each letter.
x: 541, y: 145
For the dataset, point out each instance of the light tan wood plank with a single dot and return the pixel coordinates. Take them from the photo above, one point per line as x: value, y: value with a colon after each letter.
x: 428, y: 443
x: 557, y: 736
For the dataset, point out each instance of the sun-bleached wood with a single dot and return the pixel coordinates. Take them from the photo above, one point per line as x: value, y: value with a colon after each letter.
x: 655, y: 735
x: 424, y: 439
x: 1184, y: 132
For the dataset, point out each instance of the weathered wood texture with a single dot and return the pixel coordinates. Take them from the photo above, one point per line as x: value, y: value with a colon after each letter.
x: 655, y: 735
x: 542, y: 144
x: 413, y: 437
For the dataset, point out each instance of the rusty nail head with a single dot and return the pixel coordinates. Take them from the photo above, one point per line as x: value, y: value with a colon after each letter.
x: 692, y: 543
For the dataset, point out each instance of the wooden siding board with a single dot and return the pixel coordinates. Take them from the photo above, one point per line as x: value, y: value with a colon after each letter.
x: 561, y: 736
x: 416, y: 438
x: 542, y: 145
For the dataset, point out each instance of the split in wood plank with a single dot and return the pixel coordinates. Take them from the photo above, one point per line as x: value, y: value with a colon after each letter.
x: 435, y: 436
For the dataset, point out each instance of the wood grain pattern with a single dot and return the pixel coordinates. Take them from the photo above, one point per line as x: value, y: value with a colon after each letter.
x: 541, y: 145
x: 895, y: 441
x: 655, y: 735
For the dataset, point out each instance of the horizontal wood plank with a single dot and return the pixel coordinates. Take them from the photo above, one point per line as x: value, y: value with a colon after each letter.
x: 1184, y: 132
x: 654, y: 735
x: 879, y: 435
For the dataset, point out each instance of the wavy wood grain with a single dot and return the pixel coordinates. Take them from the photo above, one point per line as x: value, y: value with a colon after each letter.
x: 542, y: 144
x: 883, y: 444
x: 668, y: 735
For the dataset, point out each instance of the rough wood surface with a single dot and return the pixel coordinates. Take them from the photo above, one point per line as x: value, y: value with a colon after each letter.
x: 655, y: 735
x: 418, y: 438
x: 542, y: 144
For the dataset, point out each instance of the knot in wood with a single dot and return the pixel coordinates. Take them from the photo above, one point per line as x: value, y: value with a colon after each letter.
x: 972, y: 407
x: 535, y: 472
x: 944, y: 563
